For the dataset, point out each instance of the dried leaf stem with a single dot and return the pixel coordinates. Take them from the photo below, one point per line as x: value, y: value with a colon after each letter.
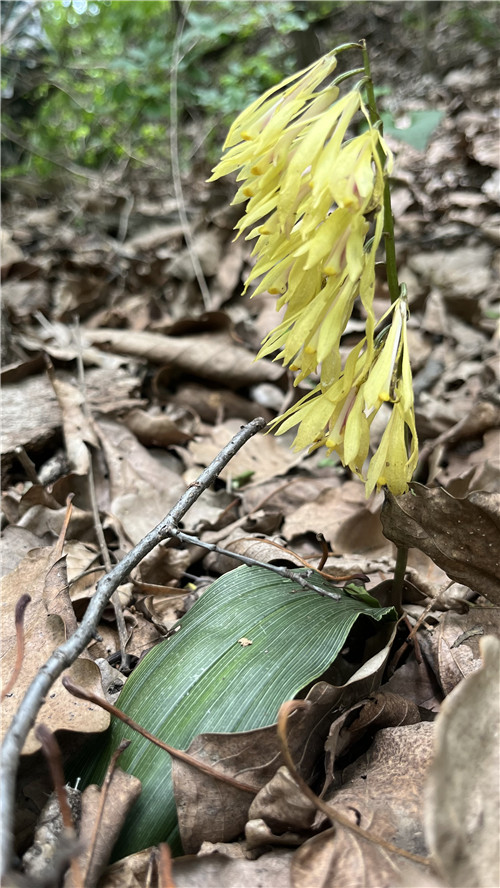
x: 335, y: 816
x: 99, y: 532
x: 21, y: 606
x: 67, y: 652
x: 77, y: 691
x: 50, y: 748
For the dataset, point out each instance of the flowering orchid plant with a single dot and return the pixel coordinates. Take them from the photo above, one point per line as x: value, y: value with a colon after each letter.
x: 318, y: 202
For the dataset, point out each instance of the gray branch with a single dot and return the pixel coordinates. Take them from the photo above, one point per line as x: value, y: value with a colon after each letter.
x: 67, y: 652
x: 286, y: 572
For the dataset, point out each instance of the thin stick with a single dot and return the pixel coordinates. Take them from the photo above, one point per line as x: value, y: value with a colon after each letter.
x: 58, y: 549
x: 176, y: 170
x: 52, y: 753
x: 99, y: 532
x: 67, y: 652
x: 27, y: 464
x: 165, y: 878
x: 102, y: 801
x: 251, y: 562
x: 82, y: 694
x: 334, y: 815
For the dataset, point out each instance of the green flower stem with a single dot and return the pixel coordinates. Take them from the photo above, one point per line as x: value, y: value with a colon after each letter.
x: 394, y: 292
x: 390, y: 245
x: 398, y: 580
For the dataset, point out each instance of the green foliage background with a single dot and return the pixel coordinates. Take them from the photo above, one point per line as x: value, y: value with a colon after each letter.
x: 104, y: 90
x: 86, y: 83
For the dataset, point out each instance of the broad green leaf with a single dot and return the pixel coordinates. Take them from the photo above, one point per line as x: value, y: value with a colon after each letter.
x: 202, y: 679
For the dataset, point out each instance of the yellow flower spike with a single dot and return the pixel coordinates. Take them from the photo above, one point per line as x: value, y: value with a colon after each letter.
x: 315, y: 203
x: 309, y: 148
x: 335, y: 321
x: 326, y: 161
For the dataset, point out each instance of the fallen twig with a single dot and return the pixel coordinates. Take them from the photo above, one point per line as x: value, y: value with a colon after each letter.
x: 82, y: 694
x: 50, y: 748
x: 102, y: 801
x: 285, y: 572
x: 67, y: 652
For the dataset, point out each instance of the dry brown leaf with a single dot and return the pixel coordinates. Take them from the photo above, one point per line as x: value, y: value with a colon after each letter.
x: 457, y: 643
x: 30, y: 414
x: 416, y: 683
x: 382, y: 792
x: 264, y: 456
x: 213, y: 356
x: 78, y: 431
x: 15, y: 543
x: 83, y: 569
x: 343, y: 516
x: 143, y: 490
x: 338, y: 858
x: 207, y: 248
x: 22, y: 298
x: 281, y: 805
x: 450, y: 270
x: 155, y: 430
x: 56, y: 596
x: 259, y: 548
x: 228, y: 273
x: 124, y: 789
x: 43, y: 633
x: 462, y: 805
x: 460, y: 535
x: 10, y: 252
x: 384, y: 709
x: 214, y: 870
x: 212, y: 405
x: 153, y: 237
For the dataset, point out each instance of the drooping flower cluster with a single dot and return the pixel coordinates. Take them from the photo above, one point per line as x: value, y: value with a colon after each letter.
x: 315, y: 200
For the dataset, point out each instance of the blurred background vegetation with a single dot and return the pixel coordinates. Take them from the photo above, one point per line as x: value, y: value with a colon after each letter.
x: 86, y: 84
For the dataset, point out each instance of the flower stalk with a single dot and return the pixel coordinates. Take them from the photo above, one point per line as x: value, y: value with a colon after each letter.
x: 394, y: 290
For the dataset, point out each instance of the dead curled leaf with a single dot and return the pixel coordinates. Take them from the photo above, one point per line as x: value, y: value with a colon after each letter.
x: 214, y: 356
x: 123, y: 791
x: 460, y: 535
x: 462, y: 803
x: 44, y: 631
x: 382, y: 792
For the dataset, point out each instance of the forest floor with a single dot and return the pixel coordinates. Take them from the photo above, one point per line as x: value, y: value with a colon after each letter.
x: 120, y: 384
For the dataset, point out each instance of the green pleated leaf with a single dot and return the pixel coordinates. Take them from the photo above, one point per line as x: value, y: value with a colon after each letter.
x: 202, y: 679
